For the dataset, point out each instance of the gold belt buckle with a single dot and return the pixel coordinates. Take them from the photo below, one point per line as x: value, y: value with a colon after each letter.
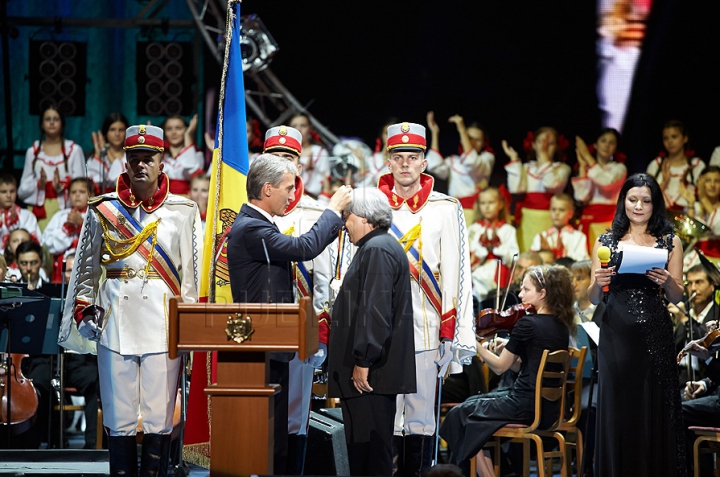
x: 131, y: 273
x: 141, y: 273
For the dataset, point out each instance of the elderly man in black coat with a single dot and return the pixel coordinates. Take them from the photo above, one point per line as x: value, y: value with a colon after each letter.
x: 260, y: 256
x: 371, y: 356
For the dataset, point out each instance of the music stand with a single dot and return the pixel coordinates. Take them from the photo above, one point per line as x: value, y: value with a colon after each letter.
x: 23, y: 320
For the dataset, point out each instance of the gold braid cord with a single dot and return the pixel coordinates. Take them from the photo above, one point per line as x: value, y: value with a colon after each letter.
x: 119, y: 249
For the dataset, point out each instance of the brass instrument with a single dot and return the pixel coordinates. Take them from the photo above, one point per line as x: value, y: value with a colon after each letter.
x: 689, y: 230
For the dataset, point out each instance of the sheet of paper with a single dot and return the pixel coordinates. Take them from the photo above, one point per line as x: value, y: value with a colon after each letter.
x: 637, y: 259
x: 592, y: 330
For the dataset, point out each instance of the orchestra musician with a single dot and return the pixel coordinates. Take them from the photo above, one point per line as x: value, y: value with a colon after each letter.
x: 468, y: 426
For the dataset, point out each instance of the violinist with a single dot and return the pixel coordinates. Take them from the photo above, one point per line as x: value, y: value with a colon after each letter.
x: 702, y: 309
x: 470, y: 425
x: 701, y: 406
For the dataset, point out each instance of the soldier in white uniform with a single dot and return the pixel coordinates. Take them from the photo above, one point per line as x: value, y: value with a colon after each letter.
x: 431, y: 227
x: 139, y: 246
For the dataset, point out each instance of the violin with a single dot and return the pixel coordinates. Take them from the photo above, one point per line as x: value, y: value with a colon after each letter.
x: 712, y: 337
x: 23, y: 398
x: 490, y: 320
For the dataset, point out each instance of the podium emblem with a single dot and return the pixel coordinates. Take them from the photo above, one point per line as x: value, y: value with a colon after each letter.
x: 239, y: 329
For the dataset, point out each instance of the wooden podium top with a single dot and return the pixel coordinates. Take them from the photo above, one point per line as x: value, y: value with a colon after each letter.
x: 284, y: 327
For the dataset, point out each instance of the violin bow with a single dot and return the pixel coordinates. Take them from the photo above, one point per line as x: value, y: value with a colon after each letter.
x: 497, y: 294
x: 512, y: 275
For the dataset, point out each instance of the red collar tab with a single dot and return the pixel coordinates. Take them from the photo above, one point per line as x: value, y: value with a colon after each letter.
x: 126, y: 196
x: 299, y: 190
x: 386, y: 183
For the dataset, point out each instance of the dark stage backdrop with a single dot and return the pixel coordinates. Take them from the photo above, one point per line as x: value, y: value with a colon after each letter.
x: 512, y: 65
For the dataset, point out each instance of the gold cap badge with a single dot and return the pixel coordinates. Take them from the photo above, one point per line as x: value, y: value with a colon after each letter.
x: 405, y: 127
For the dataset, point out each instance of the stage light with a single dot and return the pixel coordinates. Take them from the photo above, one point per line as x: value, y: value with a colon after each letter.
x: 256, y: 43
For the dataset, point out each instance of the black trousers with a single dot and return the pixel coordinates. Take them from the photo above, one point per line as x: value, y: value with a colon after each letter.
x: 81, y: 373
x: 279, y: 374
x: 368, y: 420
x: 704, y: 412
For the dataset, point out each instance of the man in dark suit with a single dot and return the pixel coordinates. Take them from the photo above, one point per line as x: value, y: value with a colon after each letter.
x: 372, y: 347
x: 260, y: 256
x: 702, y: 405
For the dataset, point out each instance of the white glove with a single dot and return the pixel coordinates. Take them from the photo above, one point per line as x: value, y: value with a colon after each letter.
x: 318, y: 358
x: 89, y: 329
x: 445, y: 355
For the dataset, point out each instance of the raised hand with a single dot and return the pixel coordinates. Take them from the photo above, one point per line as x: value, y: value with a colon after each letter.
x: 432, y: 124
x: 509, y: 151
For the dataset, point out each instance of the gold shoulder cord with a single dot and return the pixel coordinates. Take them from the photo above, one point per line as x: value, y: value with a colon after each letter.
x: 123, y: 248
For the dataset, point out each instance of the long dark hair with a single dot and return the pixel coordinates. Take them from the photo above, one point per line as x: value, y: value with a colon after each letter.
x: 658, y: 225
x: 51, y: 107
x: 111, y: 119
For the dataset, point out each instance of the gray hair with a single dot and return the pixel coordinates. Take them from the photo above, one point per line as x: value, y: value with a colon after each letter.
x: 267, y: 168
x: 371, y: 204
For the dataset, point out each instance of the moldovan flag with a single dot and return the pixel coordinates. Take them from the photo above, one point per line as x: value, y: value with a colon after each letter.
x: 227, y: 193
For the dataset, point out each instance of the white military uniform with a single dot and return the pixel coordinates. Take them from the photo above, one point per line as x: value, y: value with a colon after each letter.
x: 105, y: 173
x: 566, y: 242
x: 442, y: 238
x: 483, y: 258
x: 135, y: 371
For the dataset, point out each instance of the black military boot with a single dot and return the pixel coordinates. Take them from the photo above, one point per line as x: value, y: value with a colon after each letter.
x: 155, y: 455
x: 123, y: 456
x: 297, y: 445
x: 398, y: 455
x: 418, y: 454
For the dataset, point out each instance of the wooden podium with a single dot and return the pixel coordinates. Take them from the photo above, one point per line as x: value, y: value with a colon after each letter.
x: 243, y: 334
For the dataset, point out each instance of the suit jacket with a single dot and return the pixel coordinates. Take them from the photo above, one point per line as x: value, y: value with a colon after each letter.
x: 252, y: 279
x: 372, y: 320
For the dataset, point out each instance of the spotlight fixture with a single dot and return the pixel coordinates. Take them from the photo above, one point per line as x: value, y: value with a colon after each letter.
x: 256, y: 43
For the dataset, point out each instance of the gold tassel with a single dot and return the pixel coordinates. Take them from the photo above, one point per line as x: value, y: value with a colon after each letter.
x: 407, y: 241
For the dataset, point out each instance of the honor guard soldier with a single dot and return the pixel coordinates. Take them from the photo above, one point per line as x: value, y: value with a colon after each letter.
x: 139, y: 246
x: 431, y: 228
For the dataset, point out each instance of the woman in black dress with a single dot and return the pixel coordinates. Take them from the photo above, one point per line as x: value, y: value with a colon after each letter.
x: 640, y: 429
x: 469, y: 425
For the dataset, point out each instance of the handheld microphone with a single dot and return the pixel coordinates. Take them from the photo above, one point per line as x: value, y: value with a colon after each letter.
x: 603, y: 254
x: 267, y: 258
